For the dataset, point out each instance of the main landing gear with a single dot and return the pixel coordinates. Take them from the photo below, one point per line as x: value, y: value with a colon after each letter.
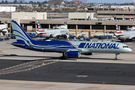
x: 64, y: 56
x: 116, y: 56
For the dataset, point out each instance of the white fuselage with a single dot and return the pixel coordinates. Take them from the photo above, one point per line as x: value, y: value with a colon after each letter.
x: 54, y: 32
x: 127, y: 35
x: 101, y: 47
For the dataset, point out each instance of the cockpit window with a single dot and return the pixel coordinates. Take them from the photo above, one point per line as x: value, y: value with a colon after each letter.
x: 125, y: 46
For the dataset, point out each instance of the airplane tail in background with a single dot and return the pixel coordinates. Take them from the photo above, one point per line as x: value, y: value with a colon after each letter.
x: 40, y: 29
x: 20, y: 34
x: 75, y: 38
x: 123, y: 17
x: 117, y: 27
x: 129, y: 8
x: 130, y: 18
x: 118, y: 32
x: 39, y: 26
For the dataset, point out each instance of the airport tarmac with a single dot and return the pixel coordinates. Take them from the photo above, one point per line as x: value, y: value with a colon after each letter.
x: 25, y: 69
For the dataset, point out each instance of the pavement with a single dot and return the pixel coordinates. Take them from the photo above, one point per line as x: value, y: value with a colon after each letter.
x: 39, y: 85
x: 25, y: 69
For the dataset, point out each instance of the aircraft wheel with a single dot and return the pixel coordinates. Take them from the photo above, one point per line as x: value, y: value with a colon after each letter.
x: 51, y: 36
x: 47, y: 37
x: 64, y: 36
x: 58, y: 37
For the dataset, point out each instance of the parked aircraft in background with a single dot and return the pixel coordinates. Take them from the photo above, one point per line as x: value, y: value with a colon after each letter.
x: 68, y: 48
x: 130, y: 18
x: 53, y: 32
x: 103, y: 34
x: 124, y: 35
x: 3, y: 29
x: 125, y: 19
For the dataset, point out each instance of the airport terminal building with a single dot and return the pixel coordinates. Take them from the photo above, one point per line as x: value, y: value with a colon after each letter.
x: 76, y: 22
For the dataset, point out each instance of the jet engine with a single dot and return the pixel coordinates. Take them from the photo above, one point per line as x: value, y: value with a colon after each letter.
x: 73, y: 54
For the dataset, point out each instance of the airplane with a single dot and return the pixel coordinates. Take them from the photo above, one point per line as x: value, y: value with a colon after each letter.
x: 123, y: 17
x: 3, y: 29
x: 130, y: 18
x: 53, y: 32
x: 75, y: 38
x: 124, y: 35
x: 72, y: 49
x: 103, y: 34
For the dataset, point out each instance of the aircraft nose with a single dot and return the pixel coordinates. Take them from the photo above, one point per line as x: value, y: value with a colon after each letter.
x: 129, y: 50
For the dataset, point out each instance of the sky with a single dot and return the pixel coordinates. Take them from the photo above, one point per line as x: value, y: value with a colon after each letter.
x: 108, y: 1
x: 91, y: 1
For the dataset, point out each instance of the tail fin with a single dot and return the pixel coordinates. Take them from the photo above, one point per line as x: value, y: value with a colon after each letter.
x: 130, y: 18
x: 39, y: 26
x: 20, y: 34
x: 117, y: 27
x: 129, y: 8
x: 123, y: 17
x: 75, y: 38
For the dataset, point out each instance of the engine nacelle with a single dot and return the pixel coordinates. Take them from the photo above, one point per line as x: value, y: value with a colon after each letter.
x: 73, y: 54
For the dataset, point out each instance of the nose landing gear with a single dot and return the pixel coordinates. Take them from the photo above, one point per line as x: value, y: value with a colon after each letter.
x: 116, y: 56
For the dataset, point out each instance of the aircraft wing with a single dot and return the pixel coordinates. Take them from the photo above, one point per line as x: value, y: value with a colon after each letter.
x: 60, y: 50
